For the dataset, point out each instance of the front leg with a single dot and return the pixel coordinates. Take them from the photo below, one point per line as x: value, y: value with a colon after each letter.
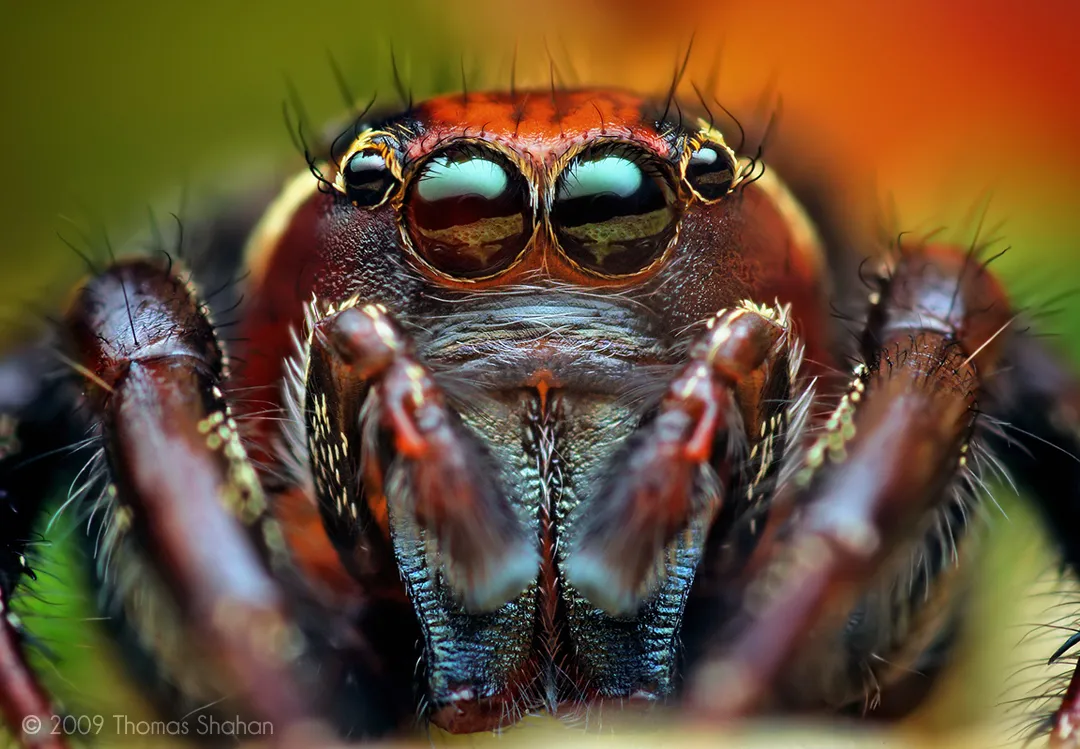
x: 874, y: 479
x: 1037, y: 435
x: 35, y: 428
x: 184, y: 507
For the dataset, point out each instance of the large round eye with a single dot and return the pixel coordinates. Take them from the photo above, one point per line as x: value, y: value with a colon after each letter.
x: 710, y: 172
x: 468, y: 212
x: 615, y: 211
x: 367, y: 178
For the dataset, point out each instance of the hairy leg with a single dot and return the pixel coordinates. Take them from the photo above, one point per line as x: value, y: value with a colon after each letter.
x: 35, y: 427
x: 873, y: 480
x: 1038, y: 405
x: 183, y: 503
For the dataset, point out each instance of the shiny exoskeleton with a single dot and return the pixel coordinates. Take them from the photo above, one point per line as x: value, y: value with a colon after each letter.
x: 534, y: 406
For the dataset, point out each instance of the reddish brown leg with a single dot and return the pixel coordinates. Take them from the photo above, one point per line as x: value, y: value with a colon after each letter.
x: 31, y: 435
x: 26, y: 707
x: 487, y: 553
x: 183, y: 488
x: 1039, y: 441
x: 737, y: 371
x: 884, y: 461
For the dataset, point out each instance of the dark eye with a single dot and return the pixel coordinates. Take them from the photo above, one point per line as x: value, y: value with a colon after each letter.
x: 367, y: 178
x: 615, y: 211
x: 710, y: 172
x: 469, y: 213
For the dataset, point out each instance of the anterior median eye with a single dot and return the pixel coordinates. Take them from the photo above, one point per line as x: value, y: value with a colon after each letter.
x: 468, y: 213
x: 615, y: 211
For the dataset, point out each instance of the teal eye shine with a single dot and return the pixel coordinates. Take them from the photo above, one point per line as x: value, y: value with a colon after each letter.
x: 615, y: 210
x: 606, y: 175
x: 367, y: 179
x: 468, y: 212
x: 710, y: 172
x: 446, y: 178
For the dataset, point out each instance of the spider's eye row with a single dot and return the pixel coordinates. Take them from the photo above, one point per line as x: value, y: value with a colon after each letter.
x: 710, y: 172
x: 469, y: 213
x: 367, y: 178
x: 615, y: 211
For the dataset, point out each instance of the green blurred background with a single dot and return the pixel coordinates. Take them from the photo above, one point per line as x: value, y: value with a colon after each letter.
x: 111, y: 108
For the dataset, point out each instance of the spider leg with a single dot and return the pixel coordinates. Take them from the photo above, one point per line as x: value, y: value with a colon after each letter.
x: 181, y: 489
x: 872, y: 478
x: 1039, y: 442
x: 33, y: 431
x: 737, y: 371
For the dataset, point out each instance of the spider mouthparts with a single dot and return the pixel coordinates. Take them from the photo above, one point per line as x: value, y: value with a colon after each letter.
x: 656, y: 491
x: 603, y: 582
x: 488, y: 554
x: 462, y: 711
x: 497, y: 579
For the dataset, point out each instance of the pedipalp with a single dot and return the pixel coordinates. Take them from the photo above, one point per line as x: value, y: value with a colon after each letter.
x: 731, y: 395
x: 489, y: 554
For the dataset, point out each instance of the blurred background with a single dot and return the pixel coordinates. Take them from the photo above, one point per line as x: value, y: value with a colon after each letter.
x: 927, y: 112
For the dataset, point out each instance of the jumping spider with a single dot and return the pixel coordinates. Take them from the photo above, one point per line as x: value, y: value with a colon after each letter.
x: 556, y: 423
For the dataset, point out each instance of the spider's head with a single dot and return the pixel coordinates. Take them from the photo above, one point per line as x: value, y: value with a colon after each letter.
x: 595, y: 189
x: 545, y: 255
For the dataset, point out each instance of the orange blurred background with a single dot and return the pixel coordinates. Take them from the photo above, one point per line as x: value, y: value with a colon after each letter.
x: 937, y: 106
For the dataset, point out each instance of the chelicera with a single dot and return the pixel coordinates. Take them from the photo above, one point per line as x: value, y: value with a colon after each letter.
x: 555, y: 424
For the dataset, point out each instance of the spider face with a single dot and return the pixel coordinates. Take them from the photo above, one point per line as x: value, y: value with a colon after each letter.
x: 584, y: 188
x: 548, y: 431
x: 544, y: 257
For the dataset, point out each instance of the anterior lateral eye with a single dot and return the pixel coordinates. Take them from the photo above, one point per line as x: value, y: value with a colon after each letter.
x: 710, y: 172
x: 468, y: 213
x: 367, y: 178
x: 615, y: 211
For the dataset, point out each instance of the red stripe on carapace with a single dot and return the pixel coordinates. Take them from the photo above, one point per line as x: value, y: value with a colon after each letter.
x: 539, y: 123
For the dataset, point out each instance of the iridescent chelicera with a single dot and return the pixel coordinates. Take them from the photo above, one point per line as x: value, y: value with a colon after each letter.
x: 534, y: 407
